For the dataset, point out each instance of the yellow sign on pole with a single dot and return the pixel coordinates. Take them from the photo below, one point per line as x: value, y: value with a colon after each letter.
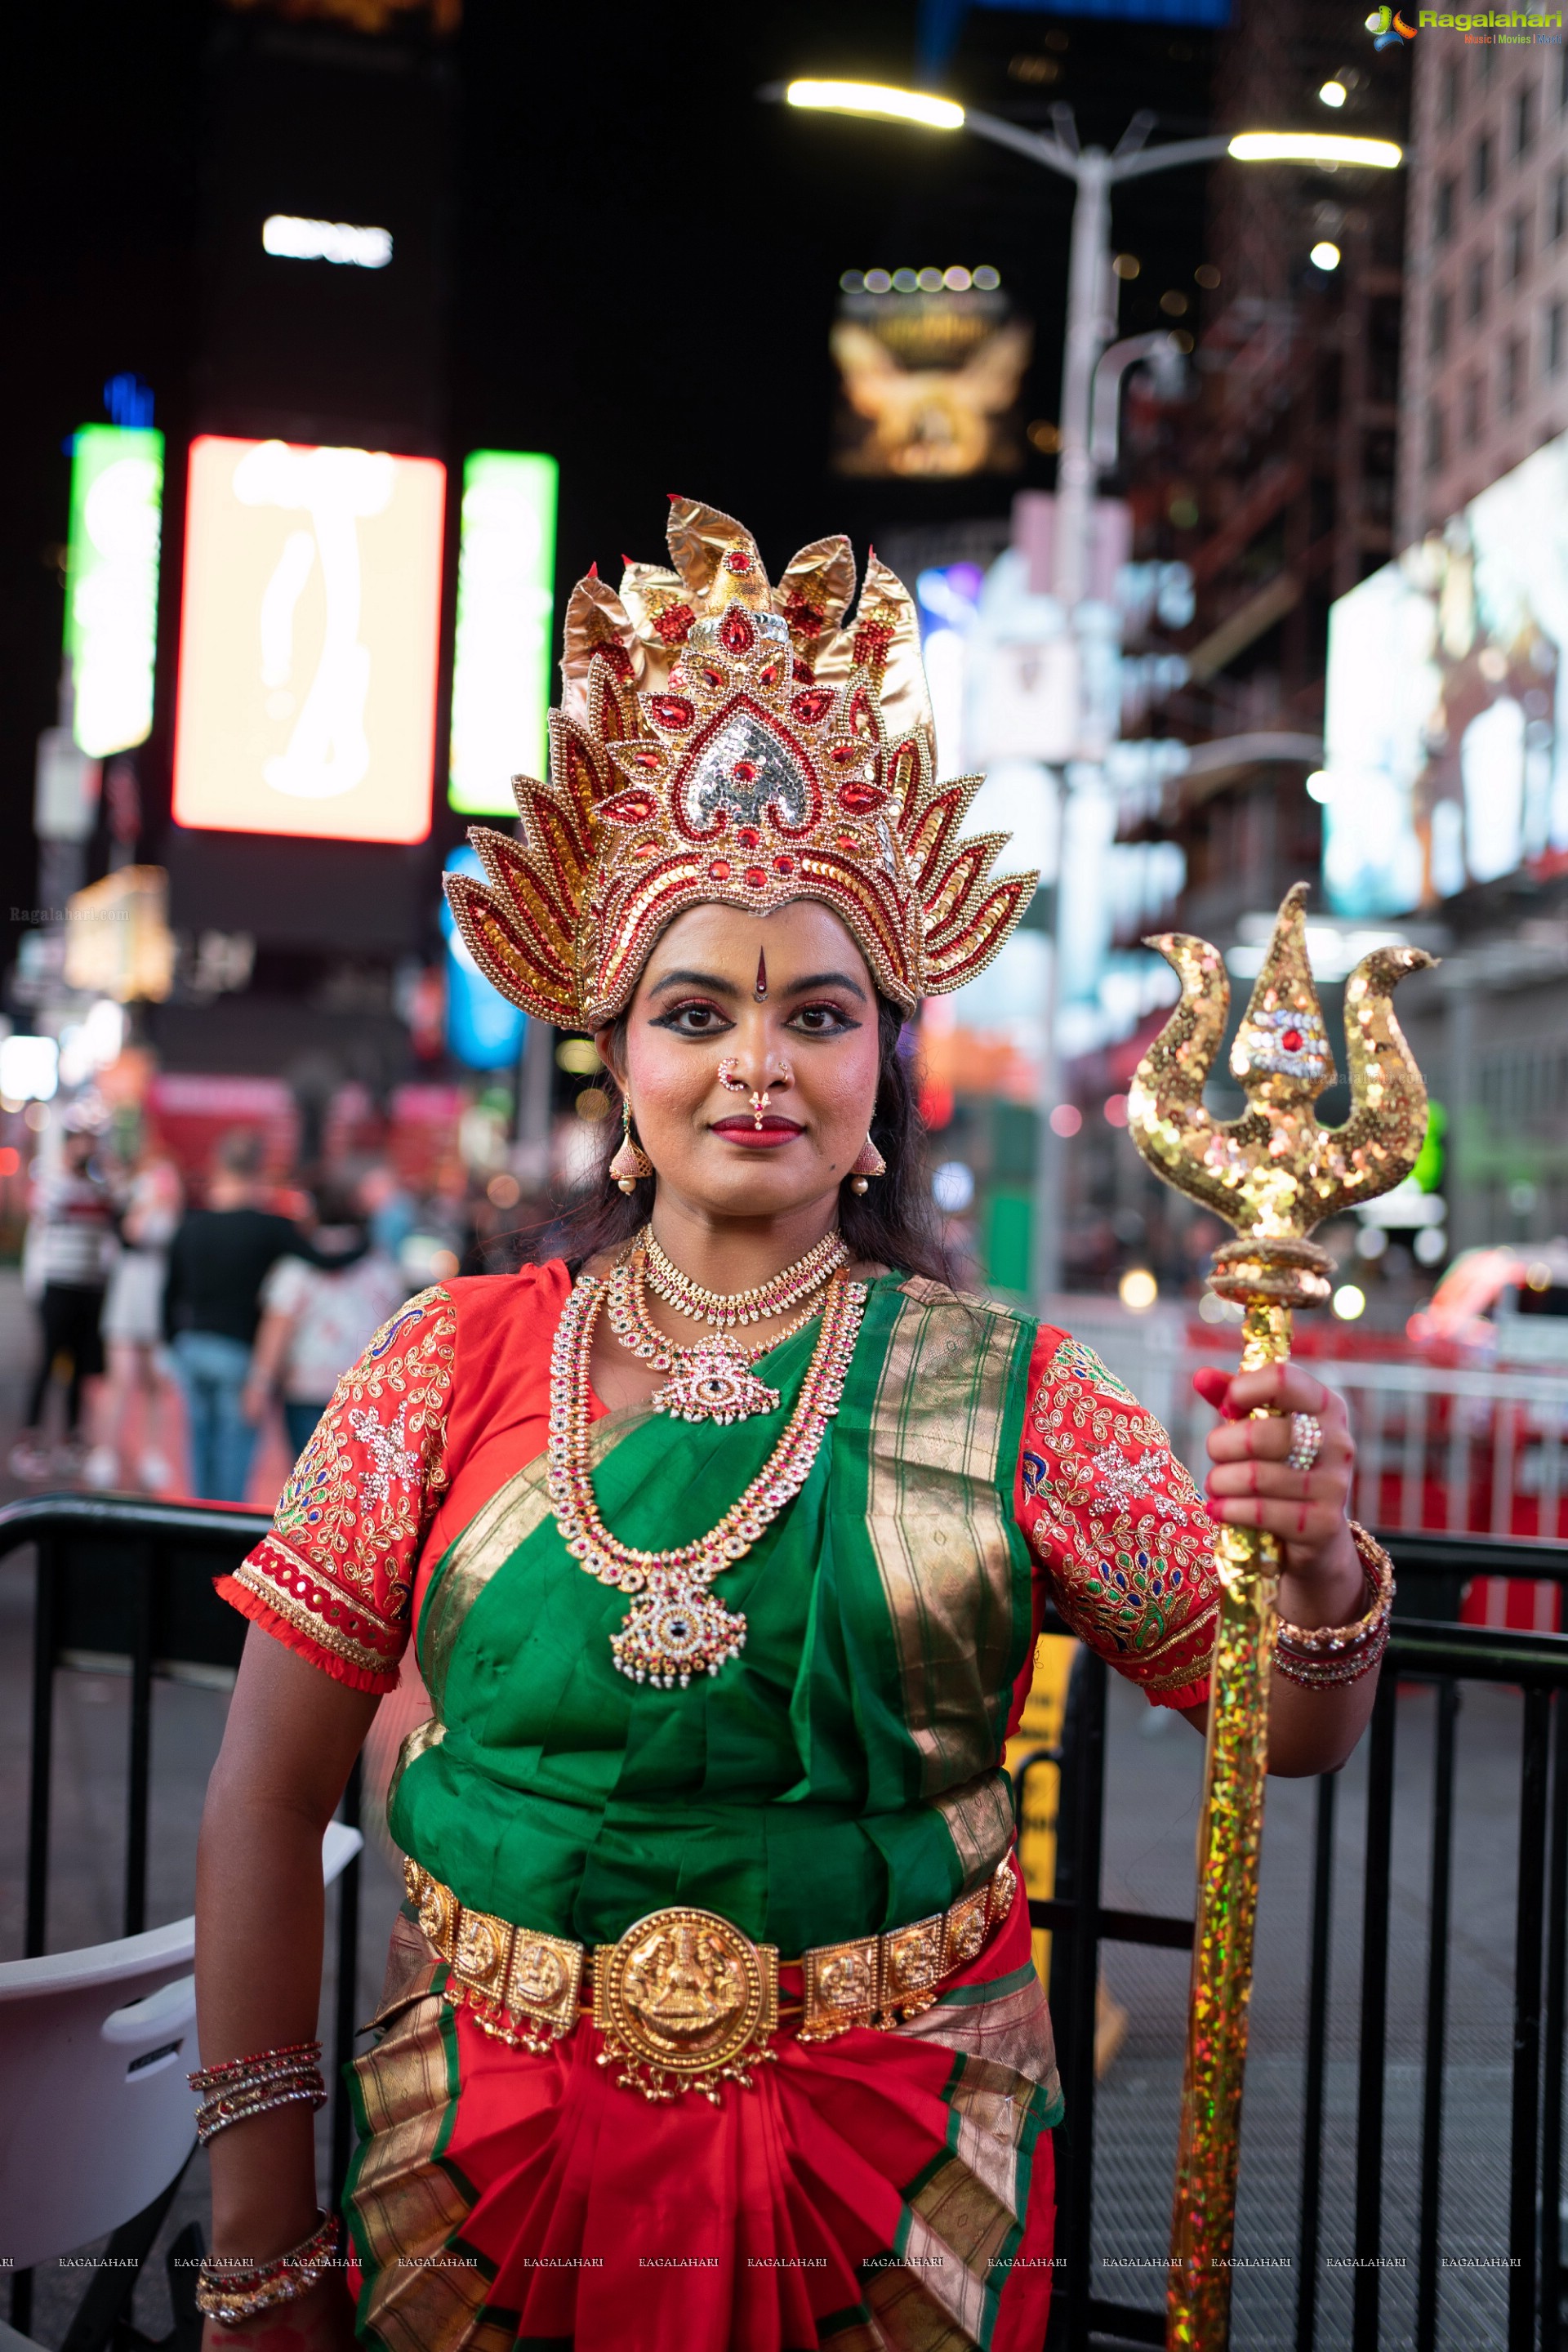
x: 118, y: 940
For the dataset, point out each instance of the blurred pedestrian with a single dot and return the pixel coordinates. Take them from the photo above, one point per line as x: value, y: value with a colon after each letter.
x: 66, y: 1256
x: 218, y: 1260
x: 317, y: 1319
x: 389, y: 1205
x: 133, y: 1328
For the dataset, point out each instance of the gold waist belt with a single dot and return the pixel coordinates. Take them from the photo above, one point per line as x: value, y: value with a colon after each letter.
x: 684, y: 2000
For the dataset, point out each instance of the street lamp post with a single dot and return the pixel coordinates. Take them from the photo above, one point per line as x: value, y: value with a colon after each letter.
x: 1082, y: 454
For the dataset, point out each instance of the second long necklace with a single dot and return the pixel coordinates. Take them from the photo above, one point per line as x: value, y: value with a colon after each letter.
x: 676, y: 1628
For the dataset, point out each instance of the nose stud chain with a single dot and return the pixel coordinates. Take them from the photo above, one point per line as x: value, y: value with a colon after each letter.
x: 732, y: 1081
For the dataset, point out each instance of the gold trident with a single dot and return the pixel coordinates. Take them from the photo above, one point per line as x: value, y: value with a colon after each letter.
x: 1273, y: 1173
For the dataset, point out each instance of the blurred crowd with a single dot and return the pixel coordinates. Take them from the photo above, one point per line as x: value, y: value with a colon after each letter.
x: 179, y: 1325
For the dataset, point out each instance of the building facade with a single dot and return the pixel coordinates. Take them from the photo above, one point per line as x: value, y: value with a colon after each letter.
x: 1485, y: 375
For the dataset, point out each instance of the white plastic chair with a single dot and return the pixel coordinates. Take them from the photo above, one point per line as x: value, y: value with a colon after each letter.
x: 96, y: 2116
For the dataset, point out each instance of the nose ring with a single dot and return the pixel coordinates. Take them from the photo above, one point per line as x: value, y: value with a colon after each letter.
x: 732, y: 1082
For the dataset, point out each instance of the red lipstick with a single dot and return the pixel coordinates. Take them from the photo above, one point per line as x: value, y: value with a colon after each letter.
x: 773, y: 1131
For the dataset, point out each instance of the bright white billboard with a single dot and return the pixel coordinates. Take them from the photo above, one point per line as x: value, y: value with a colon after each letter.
x: 1447, y: 705
x: 309, y: 641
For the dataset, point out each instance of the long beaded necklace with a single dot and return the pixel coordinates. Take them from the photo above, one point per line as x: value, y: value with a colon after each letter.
x: 727, y: 1309
x: 713, y: 1379
x: 677, y: 1629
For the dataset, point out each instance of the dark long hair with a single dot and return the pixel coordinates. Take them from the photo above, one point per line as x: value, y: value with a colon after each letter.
x: 890, y: 1224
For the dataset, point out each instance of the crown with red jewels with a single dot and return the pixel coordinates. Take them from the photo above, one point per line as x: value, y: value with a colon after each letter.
x: 724, y: 739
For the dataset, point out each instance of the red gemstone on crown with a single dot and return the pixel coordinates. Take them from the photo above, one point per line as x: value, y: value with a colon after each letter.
x: 670, y: 709
x: 634, y: 807
x: 754, y: 877
x: 736, y: 561
x: 860, y: 799
x: 737, y: 634
x: 745, y: 772
x: 720, y: 870
x: 748, y: 836
x: 783, y: 865
x: 810, y: 708
x: 1292, y: 1040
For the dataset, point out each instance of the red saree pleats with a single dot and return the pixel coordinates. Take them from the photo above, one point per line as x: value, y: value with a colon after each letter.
x: 882, y: 2192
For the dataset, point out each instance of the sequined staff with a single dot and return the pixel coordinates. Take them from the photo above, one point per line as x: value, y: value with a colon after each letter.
x: 1274, y: 1173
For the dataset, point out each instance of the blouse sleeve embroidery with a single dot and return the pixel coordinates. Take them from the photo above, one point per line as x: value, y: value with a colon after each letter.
x: 1119, y: 1528
x: 334, y: 1576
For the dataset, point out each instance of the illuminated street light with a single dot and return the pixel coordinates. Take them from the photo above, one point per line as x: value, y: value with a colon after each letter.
x: 288, y: 238
x: 1324, y: 255
x: 1314, y: 147
x: 876, y: 98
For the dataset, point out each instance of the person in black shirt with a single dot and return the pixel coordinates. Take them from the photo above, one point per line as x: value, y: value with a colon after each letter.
x: 219, y: 1259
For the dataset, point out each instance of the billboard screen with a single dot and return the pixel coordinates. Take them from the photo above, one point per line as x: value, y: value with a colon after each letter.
x: 931, y: 376
x: 506, y: 595
x: 1447, y: 705
x: 309, y: 641
x: 112, y: 572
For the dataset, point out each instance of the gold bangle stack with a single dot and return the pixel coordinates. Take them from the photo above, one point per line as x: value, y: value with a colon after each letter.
x: 243, y: 2087
x: 1327, y: 1657
x: 232, y: 2292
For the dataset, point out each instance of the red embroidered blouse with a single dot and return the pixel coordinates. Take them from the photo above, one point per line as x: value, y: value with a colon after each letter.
x: 408, y: 1451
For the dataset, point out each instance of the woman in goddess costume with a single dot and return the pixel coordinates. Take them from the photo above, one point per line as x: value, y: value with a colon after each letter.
x: 710, y: 2020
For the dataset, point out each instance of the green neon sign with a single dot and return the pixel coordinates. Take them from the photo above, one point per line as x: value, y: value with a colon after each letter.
x: 506, y: 600
x: 112, y: 584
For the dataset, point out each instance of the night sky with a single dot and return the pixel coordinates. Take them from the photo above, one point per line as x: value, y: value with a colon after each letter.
x: 644, y: 262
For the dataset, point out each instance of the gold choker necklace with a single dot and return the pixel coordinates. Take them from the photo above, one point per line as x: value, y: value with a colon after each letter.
x: 677, y: 1629
x: 780, y: 1295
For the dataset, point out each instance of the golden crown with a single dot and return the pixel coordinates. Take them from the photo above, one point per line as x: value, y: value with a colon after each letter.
x: 724, y: 739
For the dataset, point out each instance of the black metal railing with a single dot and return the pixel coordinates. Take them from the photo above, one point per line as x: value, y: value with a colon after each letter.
x: 133, y: 1580
x: 1427, y: 1648
x: 120, y: 1578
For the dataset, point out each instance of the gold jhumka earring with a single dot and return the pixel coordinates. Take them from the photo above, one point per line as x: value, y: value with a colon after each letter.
x: 631, y: 1162
x: 869, y: 1163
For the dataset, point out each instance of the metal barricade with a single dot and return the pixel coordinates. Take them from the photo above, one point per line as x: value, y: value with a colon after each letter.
x: 134, y: 1577
x: 1432, y: 1649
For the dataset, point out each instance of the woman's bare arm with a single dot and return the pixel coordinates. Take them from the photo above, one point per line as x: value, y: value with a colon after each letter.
x: 290, y: 1741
